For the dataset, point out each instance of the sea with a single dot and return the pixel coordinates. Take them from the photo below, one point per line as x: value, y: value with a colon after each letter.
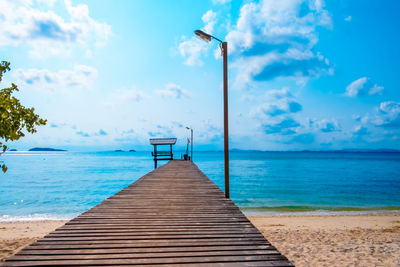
x: 61, y: 185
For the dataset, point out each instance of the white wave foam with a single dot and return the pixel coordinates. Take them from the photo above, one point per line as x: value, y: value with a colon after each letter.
x: 36, y: 217
x: 254, y: 212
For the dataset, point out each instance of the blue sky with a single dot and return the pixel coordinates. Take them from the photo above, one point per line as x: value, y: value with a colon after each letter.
x: 112, y: 74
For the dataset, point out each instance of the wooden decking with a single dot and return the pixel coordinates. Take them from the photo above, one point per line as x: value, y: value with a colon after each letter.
x: 173, y: 215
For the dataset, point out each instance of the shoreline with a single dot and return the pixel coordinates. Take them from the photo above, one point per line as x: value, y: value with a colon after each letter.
x: 307, y: 240
x: 317, y: 212
x: 248, y: 211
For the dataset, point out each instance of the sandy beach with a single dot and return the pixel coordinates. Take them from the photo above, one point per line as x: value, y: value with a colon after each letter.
x: 312, y: 240
x: 348, y: 240
x: 16, y: 235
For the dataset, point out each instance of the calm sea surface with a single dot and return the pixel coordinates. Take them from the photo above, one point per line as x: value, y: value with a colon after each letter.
x: 48, y: 185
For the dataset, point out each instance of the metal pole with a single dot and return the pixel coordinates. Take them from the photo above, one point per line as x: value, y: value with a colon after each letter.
x: 155, y: 156
x: 191, y: 145
x: 226, y: 136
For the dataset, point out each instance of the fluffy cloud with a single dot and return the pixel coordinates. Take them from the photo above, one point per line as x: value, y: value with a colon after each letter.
x: 80, y: 76
x: 276, y: 112
x: 209, y: 133
x: 290, y: 131
x: 270, y: 39
x: 284, y: 127
x: 361, y: 87
x: 275, y: 39
x: 22, y: 22
x: 209, y: 18
x: 161, y: 131
x: 282, y: 107
x: 101, y: 132
x: 349, y: 18
x: 173, y: 91
x: 388, y: 115
x: 193, y: 48
x: 279, y: 120
x: 221, y: 1
x: 360, y: 131
x: 125, y: 95
x: 279, y: 102
x: 325, y: 126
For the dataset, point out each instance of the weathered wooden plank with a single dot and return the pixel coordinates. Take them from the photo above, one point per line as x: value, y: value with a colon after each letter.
x: 140, y: 261
x: 145, y: 240
x: 118, y: 255
x: 173, y: 215
x: 157, y: 244
x: 33, y: 251
x: 148, y: 232
x: 153, y: 226
x: 28, y: 251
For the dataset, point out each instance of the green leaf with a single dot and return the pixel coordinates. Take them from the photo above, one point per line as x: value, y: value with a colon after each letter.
x: 4, y: 168
x: 15, y: 119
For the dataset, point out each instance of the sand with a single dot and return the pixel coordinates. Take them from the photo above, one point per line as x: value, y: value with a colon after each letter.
x: 348, y: 240
x: 16, y: 235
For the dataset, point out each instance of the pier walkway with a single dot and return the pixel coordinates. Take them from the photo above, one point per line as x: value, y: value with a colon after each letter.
x: 174, y: 215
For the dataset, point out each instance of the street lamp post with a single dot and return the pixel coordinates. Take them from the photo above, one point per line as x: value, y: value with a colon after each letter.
x: 224, y: 49
x: 191, y: 142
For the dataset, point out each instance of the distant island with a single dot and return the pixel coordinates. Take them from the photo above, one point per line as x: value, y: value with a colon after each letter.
x: 13, y: 149
x: 132, y: 150
x: 45, y: 149
x: 118, y: 150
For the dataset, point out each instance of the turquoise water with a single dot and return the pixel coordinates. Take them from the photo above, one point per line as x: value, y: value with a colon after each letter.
x: 47, y: 185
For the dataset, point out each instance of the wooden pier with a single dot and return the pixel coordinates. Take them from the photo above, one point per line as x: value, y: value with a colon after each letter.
x: 174, y: 215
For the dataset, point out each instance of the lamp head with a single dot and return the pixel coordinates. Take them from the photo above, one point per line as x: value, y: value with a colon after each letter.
x: 187, y: 128
x: 205, y: 36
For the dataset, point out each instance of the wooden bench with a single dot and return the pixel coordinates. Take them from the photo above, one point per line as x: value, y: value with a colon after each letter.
x: 165, y: 155
x: 162, y: 155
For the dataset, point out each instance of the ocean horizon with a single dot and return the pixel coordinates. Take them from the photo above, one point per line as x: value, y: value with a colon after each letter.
x: 60, y: 185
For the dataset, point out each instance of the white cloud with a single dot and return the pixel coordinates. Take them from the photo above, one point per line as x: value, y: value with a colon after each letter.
x: 192, y: 49
x: 355, y: 87
x: 388, y: 115
x: 277, y: 22
x: 349, y: 18
x: 277, y: 102
x: 270, y: 39
x: 276, y: 114
x: 281, y: 107
x: 325, y: 125
x: 209, y: 133
x: 360, y: 131
x: 222, y: 2
x: 285, y: 126
x: 46, y: 32
x: 390, y: 107
x: 46, y: 2
x: 278, y: 94
x: 209, y: 18
x: 375, y: 89
x: 361, y: 87
x: 173, y: 91
x: 80, y: 76
x: 125, y: 95
x: 275, y: 39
